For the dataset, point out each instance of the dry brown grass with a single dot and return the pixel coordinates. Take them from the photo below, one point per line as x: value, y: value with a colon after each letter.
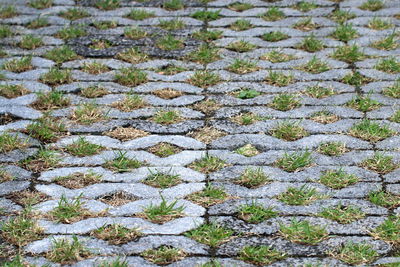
x: 125, y: 134
x: 13, y: 90
x: 83, y: 214
x: 78, y: 180
x: 116, y: 234
x: 28, y: 197
x: 207, y: 106
x: 5, y: 176
x: 164, y: 150
x: 325, y: 118
x: 129, y: 103
x: 117, y: 199
x: 5, y: 119
x: 168, y: 93
x: 206, y: 134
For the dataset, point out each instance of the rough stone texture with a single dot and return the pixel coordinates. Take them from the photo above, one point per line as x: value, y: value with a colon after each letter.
x: 208, y: 125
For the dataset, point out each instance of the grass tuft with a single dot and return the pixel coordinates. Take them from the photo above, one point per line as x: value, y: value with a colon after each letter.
x: 384, y: 199
x: 303, y: 195
x: 135, y: 33
x: 51, y: 100
x: 163, y: 212
x: 311, y: 44
x: 338, y: 179
x: 41, y: 161
x: 116, y: 234
x: 280, y: 79
x: 241, y: 25
x: 255, y: 213
x: 69, y: 211
x: 332, y: 148
x: 211, y: 234
x: 38, y: 23
x: 355, y: 253
x: 93, y: 91
x: 241, y: 46
x: 314, y: 66
x: 169, y: 43
x: 10, y: 142
x: 288, y: 131
x: 355, y: 78
x: 303, y: 232
x: 66, y: 251
x: 389, y: 230
x: 206, y: 15
x: 390, y: 42
x: 56, y: 76
x: 164, y: 150
x: 7, y: 12
x: 342, y: 214
x: 74, y: 14
x: 40, y: 4
x: 88, y: 113
x: 273, y: 14
x: 305, y: 6
x: 306, y: 25
x: 372, y: 5
x: 349, y: 53
x: 380, y: 163
x: 70, y: 32
x: 260, y: 255
x: 242, y: 66
x: 389, y: 65
x: 162, y: 180
x: 209, y: 196
x: 173, y: 5
x: 344, y: 32
x: 294, y: 162
x: 30, y: 42
x: 240, y: 7
x: 140, y: 14
x: 252, y: 178
x: 21, y: 229
x: 276, y: 57
x: 274, y: 36
x: 379, y: 24
x: 319, y: 92
x: 132, y: 55
x: 46, y: 129
x: 172, y: 25
x: 363, y: 103
x: 207, y: 35
x: 342, y: 16
x: 371, y: 131
x: 131, y: 77
x: 82, y: 148
x: 107, y: 4
x: 18, y: 65
x: 122, y: 163
x: 12, y: 90
x: 129, y: 103
x: 167, y: 117
x: 163, y: 255
x: 208, y: 164
x: 61, y: 54
x: 204, y: 79
x: 205, y: 54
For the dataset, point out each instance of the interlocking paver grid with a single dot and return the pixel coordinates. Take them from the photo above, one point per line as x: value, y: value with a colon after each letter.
x: 268, y: 129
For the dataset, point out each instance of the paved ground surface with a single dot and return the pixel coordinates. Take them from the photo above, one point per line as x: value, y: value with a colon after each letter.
x: 209, y: 120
